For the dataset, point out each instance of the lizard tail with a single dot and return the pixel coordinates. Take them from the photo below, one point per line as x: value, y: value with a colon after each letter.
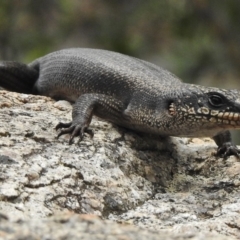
x: 17, y: 77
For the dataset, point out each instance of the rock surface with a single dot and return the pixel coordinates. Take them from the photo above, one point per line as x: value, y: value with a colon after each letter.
x: 171, y: 188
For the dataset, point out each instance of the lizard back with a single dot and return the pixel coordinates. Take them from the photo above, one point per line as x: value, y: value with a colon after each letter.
x: 71, y: 72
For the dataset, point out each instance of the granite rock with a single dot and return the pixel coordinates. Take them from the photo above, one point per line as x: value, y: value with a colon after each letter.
x: 172, y: 187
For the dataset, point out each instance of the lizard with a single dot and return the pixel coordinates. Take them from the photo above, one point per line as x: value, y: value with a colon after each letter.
x: 128, y: 92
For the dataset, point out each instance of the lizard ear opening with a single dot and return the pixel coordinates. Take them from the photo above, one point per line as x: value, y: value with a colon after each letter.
x: 172, y: 109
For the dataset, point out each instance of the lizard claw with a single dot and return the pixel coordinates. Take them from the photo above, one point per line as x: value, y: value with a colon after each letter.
x: 228, y: 149
x: 74, y: 130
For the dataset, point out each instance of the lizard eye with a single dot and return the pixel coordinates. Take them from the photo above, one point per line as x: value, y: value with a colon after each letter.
x: 216, y: 100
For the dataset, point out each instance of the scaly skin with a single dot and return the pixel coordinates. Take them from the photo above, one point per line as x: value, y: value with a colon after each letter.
x: 128, y: 92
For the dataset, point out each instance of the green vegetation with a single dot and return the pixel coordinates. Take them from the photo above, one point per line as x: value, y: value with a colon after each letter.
x: 191, y: 38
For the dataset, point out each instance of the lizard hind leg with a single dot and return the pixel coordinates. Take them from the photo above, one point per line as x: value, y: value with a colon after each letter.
x: 83, y: 110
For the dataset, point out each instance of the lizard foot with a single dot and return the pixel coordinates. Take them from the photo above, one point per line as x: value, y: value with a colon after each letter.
x: 74, y: 130
x: 228, y: 149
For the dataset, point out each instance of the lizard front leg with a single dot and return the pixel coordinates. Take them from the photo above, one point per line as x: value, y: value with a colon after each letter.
x: 84, y: 108
x: 225, y: 145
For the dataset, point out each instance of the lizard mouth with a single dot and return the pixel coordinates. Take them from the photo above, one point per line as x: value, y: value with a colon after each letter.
x: 207, y: 115
x: 229, y: 118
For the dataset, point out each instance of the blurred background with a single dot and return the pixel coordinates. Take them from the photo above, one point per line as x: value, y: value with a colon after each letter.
x: 197, y: 40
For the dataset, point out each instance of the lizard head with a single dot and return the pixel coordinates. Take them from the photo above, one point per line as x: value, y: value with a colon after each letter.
x: 205, y: 109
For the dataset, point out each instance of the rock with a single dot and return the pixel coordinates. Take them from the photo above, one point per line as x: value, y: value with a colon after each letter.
x: 172, y: 187
x: 87, y: 227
